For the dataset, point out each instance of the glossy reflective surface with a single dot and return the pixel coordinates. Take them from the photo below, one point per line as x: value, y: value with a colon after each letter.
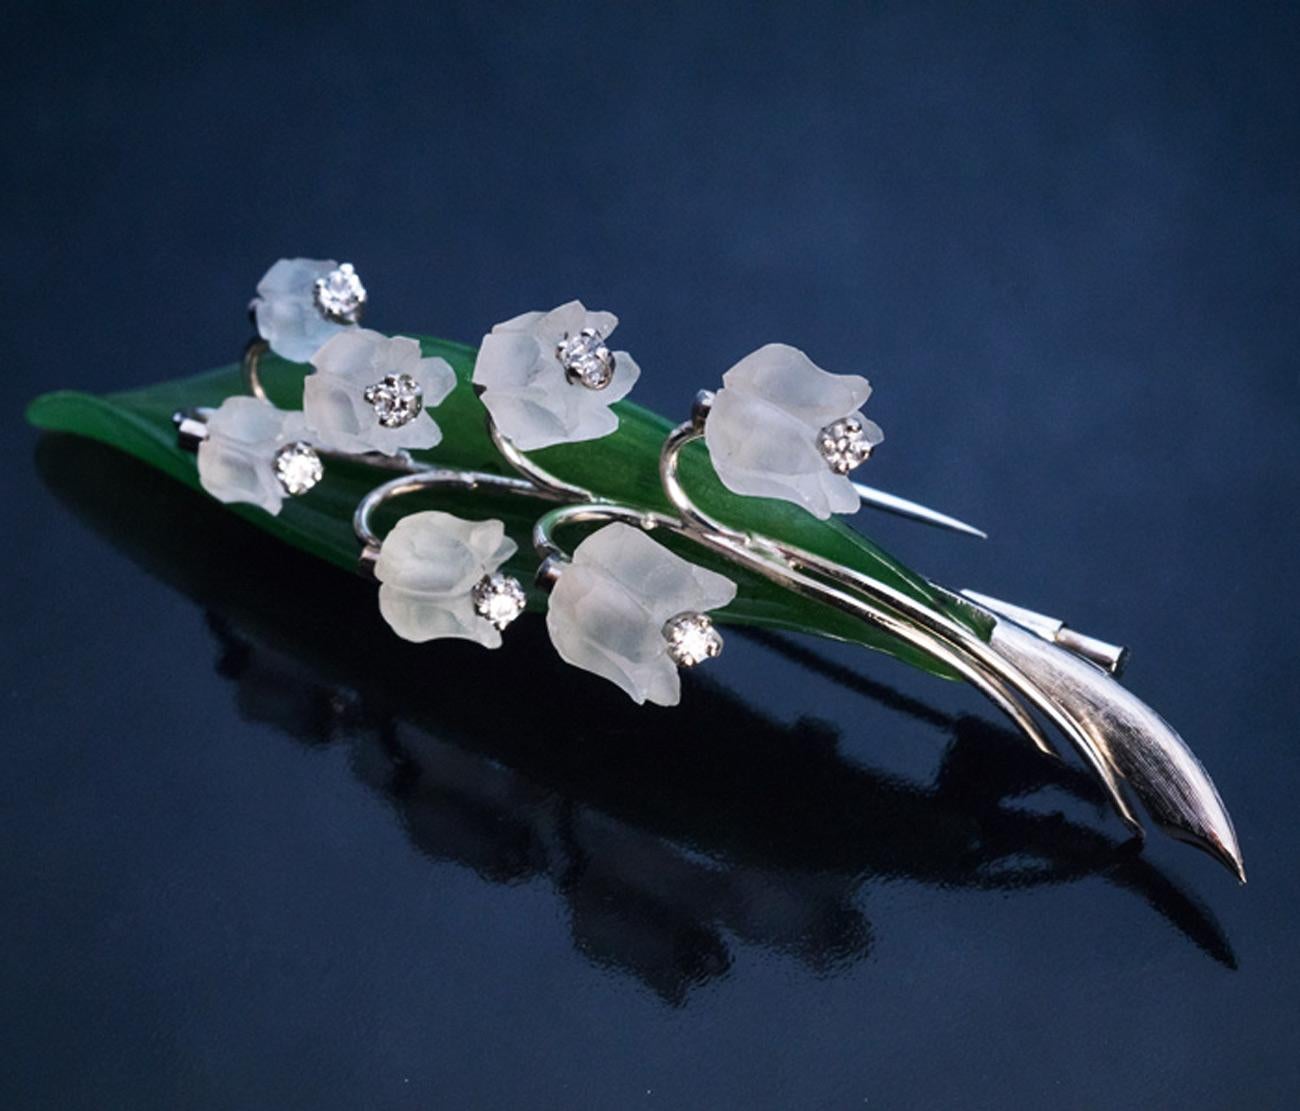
x: 256, y: 852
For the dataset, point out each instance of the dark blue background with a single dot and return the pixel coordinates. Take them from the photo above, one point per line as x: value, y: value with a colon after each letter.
x: 257, y: 853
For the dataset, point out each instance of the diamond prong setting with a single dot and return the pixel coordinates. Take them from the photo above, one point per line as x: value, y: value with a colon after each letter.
x: 298, y: 468
x: 692, y: 639
x: 845, y: 444
x: 586, y: 360
x: 339, y: 296
x: 397, y: 399
x: 498, y: 599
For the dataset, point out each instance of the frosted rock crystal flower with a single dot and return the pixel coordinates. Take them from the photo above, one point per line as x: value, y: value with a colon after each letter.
x: 372, y: 393
x: 256, y: 453
x: 302, y: 302
x: 781, y: 427
x: 628, y: 609
x: 438, y: 576
x: 548, y: 378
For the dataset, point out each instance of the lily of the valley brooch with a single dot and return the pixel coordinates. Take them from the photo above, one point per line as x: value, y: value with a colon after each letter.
x: 632, y: 585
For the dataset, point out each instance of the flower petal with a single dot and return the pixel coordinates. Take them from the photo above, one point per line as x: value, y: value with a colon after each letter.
x: 510, y: 360
x: 421, y: 617
x: 609, y: 606
x: 525, y: 387
x: 288, y: 277
x: 760, y: 450
x: 436, y: 379
x: 431, y: 553
x: 339, y: 417
x: 570, y: 319
x: 236, y: 460
x: 527, y: 419
x: 418, y: 434
x: 524, y: 322
x: 490, y: 544
x: 356, y: 356
x: 232, y: 473
x: 428, y: 567
x: 626, y: 372
x: 584, y: 414
x: 596, y: 626
x: 334, y: 394
x: 764, y: 427
x: 285, y: 310
x: 660, y: 581
x: 786, y: 377
x: 246, y: 420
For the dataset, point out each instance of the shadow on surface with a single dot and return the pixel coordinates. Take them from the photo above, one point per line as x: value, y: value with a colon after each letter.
x: 670, y: 838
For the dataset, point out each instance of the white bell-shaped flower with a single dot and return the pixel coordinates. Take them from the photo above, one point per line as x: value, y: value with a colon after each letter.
x: 781, y: 427
x: 439, y: 578
x: 628, y: 609
x: 372, y: 393
x: 548, y: 378
x: 256, y: 453
x: 302, y: 302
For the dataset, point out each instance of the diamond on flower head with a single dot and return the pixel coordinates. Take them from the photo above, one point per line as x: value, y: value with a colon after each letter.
x: 298, y: 468
x: 586, y: 359
x: 339, y: 295
x: 692, y: 639
x: 397, y: 399
x: 498, y: 598
x: 846, y: 444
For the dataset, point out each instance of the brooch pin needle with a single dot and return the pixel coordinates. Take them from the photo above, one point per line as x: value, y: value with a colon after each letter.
x: 902, y: 507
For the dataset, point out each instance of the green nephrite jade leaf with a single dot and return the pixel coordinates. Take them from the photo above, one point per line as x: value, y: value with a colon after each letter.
x: 622, y: 467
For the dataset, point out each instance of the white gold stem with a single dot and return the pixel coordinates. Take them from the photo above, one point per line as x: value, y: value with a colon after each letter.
x: 251, y: 366
x: 429, y: 478
x: 537, y: 475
